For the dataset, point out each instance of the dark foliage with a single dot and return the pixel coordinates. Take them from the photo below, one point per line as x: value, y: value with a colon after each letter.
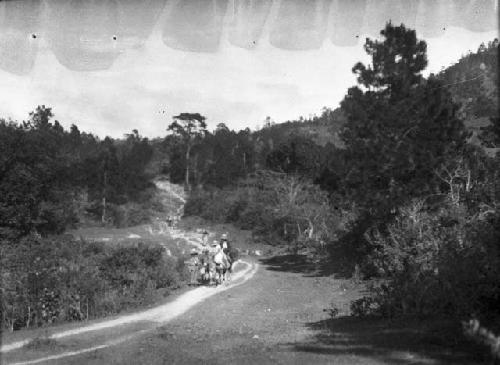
x: 55, y: 279
x: 221, y: 158
x: 50, y: 176
x: 473, y: 82
x: 401, y: 129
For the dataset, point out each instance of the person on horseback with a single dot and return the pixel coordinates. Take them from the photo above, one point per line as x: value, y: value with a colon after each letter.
x: 215, y: 247
x: 209, y: 264
x: 219, y: 255
x: 224, y: 243
x: 205, y: 264
x: 229, y: 253
x: 193, y: 265
x: 204, y: 237
x: 222, y: 265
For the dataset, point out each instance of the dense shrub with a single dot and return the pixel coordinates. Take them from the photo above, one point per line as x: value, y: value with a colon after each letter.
x: 279, y: 208
x: 52, y: 177
x: 47, y: 280
x: 445, y: 261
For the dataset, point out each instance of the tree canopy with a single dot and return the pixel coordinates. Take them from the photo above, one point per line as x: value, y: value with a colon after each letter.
x: 401, y: 128
x: 397, y: 61
x: 191, y: 128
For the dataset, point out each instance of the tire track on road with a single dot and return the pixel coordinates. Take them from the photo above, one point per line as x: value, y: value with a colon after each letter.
x: 160, y: 315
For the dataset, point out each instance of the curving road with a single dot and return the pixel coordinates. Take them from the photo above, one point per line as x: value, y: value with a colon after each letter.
x: 155, y: 317
x: 106, y: 333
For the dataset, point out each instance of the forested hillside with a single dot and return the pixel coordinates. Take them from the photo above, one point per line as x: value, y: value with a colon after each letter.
x: 473, y: 83
x: 308, y: 143
x: 52, y: 179
x: 390, y: 185
x: 401, y: 190
x: 322, y: 129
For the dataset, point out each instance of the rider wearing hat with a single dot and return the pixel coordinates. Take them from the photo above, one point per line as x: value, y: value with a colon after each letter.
x: 204, y: 237
x: 205, y: 263
x: 215, y: 247
x: 224, y: 243
x: 219, y: 255
x: 226, y: 247
x: 193, y: 264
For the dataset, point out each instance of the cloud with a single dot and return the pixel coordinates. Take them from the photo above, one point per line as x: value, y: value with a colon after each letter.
x: 144, y: 86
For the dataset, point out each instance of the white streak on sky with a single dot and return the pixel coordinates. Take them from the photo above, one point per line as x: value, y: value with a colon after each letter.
x: 233, y: 85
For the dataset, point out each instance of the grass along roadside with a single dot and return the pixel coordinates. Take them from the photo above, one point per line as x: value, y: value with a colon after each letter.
x: 113, y: 331
x: 174, y: 246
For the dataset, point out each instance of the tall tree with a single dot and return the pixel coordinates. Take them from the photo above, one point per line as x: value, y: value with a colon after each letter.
x: 136, y: 154
x: 298, y: 154
x: 400, y: 126
x: 490, y: 135
x: 109, y: 171
x: 191, y: 128
x: 397, y: 61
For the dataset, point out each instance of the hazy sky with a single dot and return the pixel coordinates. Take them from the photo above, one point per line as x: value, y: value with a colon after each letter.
x: 112, y: 66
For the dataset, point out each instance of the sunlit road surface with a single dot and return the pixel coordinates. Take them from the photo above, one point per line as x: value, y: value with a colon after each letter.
x: 156, y: 316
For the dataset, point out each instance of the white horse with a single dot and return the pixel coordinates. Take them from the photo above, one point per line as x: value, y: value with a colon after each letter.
x: 222, y: 266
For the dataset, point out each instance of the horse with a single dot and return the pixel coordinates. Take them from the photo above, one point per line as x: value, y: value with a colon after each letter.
x: 222, y: 267
x: 228, y: 270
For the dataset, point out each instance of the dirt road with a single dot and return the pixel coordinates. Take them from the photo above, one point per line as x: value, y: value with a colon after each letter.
x: 272, y: 312
x: 274, y: 316
x: 87, y: 338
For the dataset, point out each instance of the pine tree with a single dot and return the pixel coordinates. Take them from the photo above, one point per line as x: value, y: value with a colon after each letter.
x: 190, y: 127
x: 400, y: 126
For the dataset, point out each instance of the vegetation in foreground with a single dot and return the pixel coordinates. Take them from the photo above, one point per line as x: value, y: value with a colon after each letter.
x: 410, y: 197
x: 57, y: 279
x: 401, y: 183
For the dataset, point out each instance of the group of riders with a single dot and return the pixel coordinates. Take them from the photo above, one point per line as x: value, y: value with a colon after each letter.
x: 212, y: 265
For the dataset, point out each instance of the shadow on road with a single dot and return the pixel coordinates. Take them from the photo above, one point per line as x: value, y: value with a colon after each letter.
x: 299, y: 263
x: 408, y: 341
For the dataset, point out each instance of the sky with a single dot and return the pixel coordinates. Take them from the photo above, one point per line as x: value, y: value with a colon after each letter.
x: 113, y: 66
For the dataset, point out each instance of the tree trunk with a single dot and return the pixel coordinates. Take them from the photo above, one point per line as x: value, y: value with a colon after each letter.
x: 188, y: 151
x: 311, y: 230
x: 195, y: 176
x: 103, y: 217
x: 245, y: 164
x: 29, y: 317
